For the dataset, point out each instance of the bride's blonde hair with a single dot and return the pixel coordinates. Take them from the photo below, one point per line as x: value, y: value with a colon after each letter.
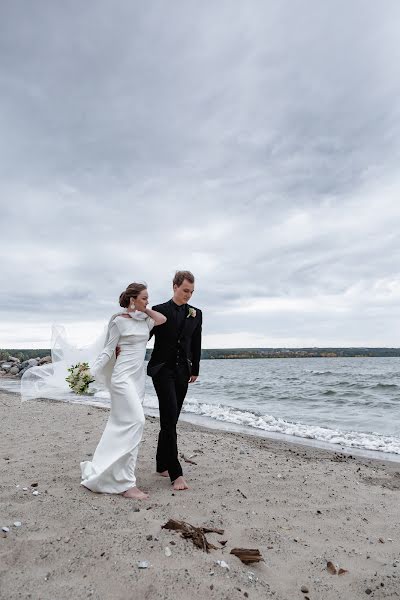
x: 132, y: 291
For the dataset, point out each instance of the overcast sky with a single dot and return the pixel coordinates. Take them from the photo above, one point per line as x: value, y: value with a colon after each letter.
x: 255, y: 143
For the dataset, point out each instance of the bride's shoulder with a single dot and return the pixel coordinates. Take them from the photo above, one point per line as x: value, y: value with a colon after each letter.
x: 121, y: 318
x: 117, y: 319
x: 121, y: 323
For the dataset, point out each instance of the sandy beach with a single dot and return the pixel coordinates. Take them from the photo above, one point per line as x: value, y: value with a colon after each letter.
x: 299, y: 506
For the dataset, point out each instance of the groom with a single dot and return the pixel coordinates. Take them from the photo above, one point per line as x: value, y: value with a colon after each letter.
x: 174, y: 363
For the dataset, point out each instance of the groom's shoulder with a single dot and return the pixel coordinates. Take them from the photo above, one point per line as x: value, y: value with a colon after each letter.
x: 161, y: 307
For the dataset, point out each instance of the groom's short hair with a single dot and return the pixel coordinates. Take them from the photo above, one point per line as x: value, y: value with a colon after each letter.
x: 180, y: 277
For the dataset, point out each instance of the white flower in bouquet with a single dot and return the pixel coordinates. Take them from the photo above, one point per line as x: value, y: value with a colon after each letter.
x: 79, y: 379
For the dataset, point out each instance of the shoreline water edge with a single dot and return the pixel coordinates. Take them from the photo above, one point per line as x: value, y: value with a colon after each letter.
x: 332, y: 406
x: 208, y: 422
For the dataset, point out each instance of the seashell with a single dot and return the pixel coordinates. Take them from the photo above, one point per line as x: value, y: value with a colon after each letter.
x: 223, y: 564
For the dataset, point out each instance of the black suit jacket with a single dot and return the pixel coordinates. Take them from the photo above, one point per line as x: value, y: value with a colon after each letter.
x: 166, y: 340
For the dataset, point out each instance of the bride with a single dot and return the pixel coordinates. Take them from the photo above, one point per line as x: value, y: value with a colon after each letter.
x: 112, y: 469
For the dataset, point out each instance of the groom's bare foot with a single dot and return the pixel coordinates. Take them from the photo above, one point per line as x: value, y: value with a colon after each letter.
x: 180, y: 484
x: 135, y: 493
x: 163, y: 473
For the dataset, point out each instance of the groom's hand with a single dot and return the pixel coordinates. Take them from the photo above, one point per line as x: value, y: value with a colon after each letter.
x: 193, y: 378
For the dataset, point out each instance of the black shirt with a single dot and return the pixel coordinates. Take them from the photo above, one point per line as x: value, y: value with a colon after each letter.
x: 179, y: 314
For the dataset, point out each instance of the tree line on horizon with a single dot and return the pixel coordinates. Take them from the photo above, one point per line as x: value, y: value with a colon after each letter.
x: 243, y: 353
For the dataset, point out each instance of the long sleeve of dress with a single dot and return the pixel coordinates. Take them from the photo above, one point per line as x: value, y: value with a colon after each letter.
x: 150, y: 323
x: 108, y: 350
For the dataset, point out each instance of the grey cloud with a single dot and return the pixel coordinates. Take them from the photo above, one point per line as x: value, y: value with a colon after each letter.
x: 257, y: 144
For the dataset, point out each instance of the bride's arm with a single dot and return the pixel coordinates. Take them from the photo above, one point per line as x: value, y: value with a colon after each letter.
x: 108, y: 350
x: 158, y: 318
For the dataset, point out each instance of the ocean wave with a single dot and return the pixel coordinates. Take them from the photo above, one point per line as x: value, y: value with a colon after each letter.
x: 385, y: 386
x: 351, y: 439
x: 320, y: 372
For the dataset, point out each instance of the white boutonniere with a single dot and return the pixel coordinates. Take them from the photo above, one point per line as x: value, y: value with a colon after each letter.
x: 192, y: 312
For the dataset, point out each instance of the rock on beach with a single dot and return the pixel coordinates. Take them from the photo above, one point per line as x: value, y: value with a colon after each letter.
x: 14, y: 367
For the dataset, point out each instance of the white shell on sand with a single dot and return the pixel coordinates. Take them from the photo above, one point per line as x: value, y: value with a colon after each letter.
x: 143, y: 564
x: 35, y: 493
x: 5, y: 529
x: 222, y: 564
x: 17, y: 523
x: 167, y: 551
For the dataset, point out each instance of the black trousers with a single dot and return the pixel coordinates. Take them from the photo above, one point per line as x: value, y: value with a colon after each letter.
x: 171, y: 385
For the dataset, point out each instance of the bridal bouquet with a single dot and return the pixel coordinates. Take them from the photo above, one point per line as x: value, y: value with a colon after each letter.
x: 79, y: 378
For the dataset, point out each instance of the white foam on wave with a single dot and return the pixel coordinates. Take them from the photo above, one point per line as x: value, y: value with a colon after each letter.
x: 352, y: 439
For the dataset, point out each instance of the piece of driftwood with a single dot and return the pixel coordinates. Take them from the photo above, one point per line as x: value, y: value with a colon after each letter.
x: 196, y: 534
x: 247, y: 555
x: 212, y: 530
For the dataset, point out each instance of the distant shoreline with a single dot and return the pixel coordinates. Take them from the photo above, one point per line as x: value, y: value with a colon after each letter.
x: 245, y: 353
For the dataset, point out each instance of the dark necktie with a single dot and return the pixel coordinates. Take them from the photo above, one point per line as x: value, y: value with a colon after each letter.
x: 179, y: 316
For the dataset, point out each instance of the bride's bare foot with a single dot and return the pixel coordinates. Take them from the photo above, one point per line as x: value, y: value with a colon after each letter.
x: 135, y: 493
x: 163, y: 473
x: 180, y: 484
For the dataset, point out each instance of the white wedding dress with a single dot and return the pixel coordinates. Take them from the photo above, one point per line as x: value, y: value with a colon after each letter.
x: 112, y: 468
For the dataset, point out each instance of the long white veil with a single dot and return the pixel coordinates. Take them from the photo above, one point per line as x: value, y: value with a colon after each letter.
x: 48, y: 381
